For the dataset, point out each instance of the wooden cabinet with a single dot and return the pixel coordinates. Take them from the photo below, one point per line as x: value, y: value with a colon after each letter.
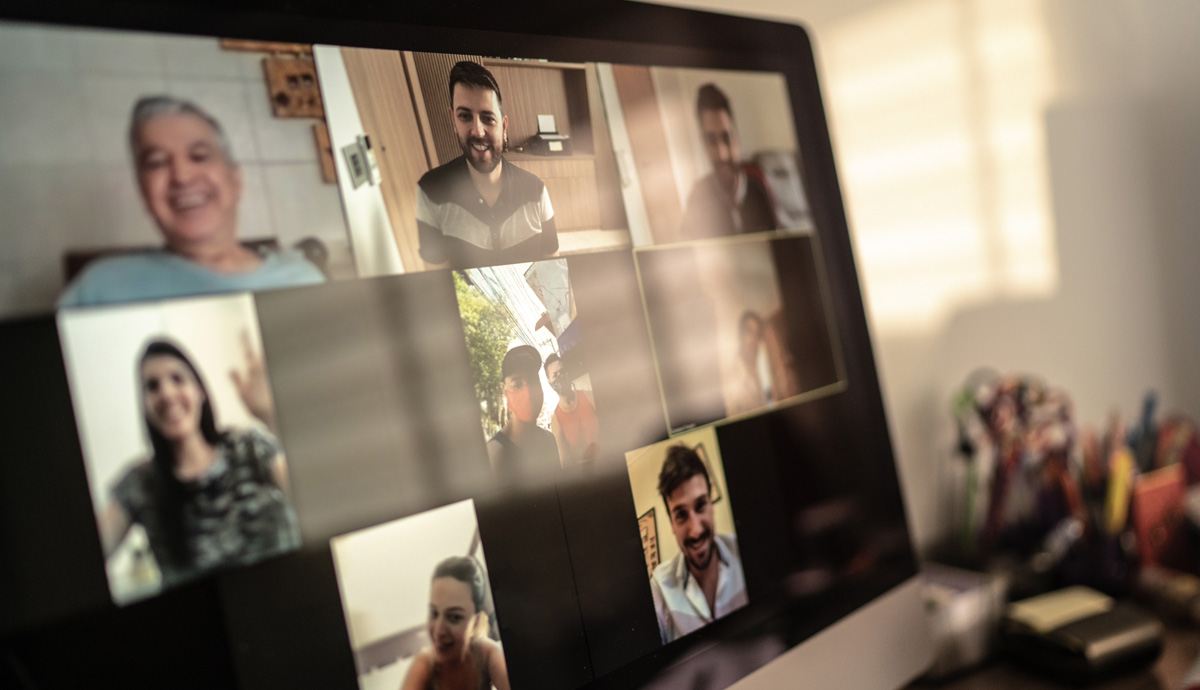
x: 571, y: 183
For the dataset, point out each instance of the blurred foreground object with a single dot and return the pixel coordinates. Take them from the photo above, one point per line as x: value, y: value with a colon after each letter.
x: 1079, y: 635
x: 964, y: 610
x: 1054, y: 505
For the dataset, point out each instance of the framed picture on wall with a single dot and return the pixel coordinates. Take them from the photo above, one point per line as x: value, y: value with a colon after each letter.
x: 649, y: 531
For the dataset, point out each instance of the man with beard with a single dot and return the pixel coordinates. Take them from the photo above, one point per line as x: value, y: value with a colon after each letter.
x: 704, y: 581
x: 522, y: 447
x: 734, y: 197
x: 575, y: 426
x: 479, y: 209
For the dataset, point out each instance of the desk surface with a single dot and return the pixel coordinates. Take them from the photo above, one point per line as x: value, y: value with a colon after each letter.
x: 1180, y: 649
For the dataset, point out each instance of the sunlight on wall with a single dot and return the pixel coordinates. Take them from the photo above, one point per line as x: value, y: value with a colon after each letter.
x: 939, y: 109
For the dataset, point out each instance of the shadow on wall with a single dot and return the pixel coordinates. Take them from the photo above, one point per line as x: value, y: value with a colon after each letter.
x: 1124, y: 319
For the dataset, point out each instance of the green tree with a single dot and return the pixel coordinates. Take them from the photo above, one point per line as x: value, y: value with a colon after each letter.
x: 488, y: 334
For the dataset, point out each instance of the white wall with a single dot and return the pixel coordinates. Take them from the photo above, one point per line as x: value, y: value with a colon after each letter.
x: 384, y: 572
x: 366, y: 215
x: 66, y: 179
x: 1114, y: 312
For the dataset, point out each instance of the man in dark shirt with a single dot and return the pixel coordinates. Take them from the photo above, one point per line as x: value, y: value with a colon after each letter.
x: 734, y: 197
x: 522, y: 446
x: 479, y: 209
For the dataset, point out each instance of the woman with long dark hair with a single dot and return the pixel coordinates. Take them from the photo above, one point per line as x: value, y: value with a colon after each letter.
x: 460, y: 655
x: 207, y: 497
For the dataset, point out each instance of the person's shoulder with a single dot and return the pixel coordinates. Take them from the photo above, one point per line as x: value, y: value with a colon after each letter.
x: 251, y: 435
x: 495, y: 450
x: 135, y: 485
x: 251, y: 443
x: 519, y: 173
x: 420, y: 670
x: 444, y: 174
x: 120, y: 263
x: 522, y: 181
x: 729, y: 543
x: 105, y: 280
x: 666, y: 574
x: 545, y: 438
x: 139, y: 471
x: 289, y: 268
x: 486, y: 646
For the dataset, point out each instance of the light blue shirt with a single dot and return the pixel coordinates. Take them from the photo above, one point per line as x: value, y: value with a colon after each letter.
x: 162, y: 275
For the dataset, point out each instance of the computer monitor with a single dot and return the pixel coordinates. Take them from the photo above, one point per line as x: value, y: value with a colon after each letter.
x: 375, y: 347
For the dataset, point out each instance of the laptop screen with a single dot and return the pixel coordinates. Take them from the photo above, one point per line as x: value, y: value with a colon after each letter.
x: 394, y: 356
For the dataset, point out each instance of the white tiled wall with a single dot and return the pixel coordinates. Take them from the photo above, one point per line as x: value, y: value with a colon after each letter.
x: 66, y: 181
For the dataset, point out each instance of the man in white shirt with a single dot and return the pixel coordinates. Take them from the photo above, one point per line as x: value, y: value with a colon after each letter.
x: 704, y: 581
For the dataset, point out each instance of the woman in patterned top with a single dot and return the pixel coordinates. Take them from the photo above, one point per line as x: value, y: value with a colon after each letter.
x: 461, y: 656
x: 207, y: 498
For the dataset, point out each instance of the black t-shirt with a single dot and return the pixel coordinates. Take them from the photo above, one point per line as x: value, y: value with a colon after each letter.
x: 537, y: 452
x: 456, y: 225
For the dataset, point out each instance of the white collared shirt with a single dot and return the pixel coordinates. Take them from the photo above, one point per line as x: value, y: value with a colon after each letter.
x: 679, y: 600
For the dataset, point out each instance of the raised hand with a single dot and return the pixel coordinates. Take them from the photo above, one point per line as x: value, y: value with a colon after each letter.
x: 252, y: 387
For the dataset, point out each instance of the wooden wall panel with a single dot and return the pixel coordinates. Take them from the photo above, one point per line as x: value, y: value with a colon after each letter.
x: 571, y: 183
x: 385, y: 105
x: 648, y: 140
x: 532, y: 90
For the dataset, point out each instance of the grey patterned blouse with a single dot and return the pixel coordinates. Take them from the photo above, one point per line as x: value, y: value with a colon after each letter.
x: 234, y: 515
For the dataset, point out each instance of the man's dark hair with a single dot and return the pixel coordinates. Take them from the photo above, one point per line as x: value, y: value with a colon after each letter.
x: 712, y: 98
x: 551, y: 359
x: 682, y: 464
x: 475, y: 76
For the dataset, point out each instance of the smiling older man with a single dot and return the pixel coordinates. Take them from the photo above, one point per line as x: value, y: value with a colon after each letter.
x: 192, y: 187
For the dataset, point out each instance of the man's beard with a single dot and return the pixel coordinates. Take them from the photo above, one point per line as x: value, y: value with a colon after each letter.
x: 468, y: 149
x: 712, y: 548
